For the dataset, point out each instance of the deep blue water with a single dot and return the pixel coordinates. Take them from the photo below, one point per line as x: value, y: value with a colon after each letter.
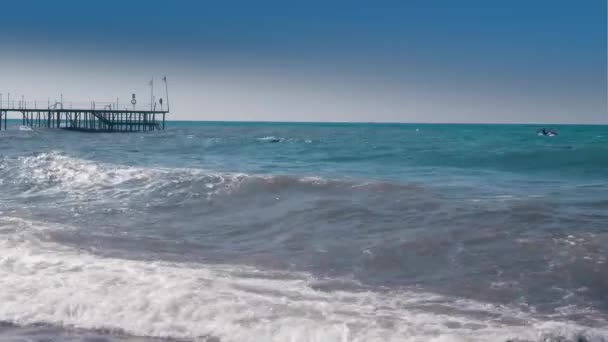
x: 305, y: 232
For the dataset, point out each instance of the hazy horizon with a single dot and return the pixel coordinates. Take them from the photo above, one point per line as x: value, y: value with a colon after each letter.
x: 431, y: 62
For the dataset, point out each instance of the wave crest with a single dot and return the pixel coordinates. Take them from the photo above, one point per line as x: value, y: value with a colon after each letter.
x: 42, y: 282
x: 53, y: 171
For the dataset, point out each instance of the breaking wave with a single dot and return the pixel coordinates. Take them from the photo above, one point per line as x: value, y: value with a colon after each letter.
x: 54, y: 171
x: 48, y: 276
x: 44, y: 282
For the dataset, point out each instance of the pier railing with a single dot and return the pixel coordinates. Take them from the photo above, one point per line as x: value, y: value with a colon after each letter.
x: 82, y: 116
x: 94, y: 105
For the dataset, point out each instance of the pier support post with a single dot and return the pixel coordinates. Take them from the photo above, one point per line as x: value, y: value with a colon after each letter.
x: 88, y: 120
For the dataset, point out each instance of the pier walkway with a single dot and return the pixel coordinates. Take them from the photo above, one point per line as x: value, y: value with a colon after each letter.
x: 94, y: 120
x: 98, y: 117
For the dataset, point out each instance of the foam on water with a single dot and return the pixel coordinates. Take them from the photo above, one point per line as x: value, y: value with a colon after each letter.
x: 57, y: 172
x: 270, y: 139
x: 44, y: 282
x: 335, y: 233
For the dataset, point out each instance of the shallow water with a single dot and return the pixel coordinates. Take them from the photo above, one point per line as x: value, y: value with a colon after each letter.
x: 305, y: 232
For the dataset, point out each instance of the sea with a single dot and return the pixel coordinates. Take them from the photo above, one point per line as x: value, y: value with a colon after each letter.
x: 222, y: 232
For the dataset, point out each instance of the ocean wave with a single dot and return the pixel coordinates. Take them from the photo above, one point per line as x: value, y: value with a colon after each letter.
x: 45, y: 282
x: 271, y: 139
x: 55, y: 171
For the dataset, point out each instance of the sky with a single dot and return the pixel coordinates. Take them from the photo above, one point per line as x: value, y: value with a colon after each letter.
x: 516, y: 61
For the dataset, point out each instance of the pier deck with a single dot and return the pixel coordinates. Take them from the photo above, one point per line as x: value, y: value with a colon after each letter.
x: 90, y: 120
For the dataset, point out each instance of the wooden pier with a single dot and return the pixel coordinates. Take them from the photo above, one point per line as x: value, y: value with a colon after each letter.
x: 90, y: 120
x: 98, y: 117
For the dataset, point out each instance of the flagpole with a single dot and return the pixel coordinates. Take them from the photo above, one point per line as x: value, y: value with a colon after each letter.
x: 152, y: 94
x: 166, y: 91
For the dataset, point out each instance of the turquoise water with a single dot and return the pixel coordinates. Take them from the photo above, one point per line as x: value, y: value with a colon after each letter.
x: 396, y: 151
x: 305, y: 232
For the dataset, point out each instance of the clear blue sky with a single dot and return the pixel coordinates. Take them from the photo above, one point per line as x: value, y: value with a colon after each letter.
x: 432, y: 60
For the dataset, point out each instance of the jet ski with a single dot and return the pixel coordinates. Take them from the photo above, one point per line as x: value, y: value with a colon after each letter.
x: 546, y: 132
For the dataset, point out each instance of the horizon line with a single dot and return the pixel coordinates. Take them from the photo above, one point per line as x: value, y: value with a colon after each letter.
x: 378, y: 122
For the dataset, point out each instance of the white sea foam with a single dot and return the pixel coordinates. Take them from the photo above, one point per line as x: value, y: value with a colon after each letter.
x: 54, y: 167
x: 270, y: 139
x: 41, y: 281
x: 53, y: 172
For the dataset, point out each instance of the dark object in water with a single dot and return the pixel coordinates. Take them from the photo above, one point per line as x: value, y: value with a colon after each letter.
x: 270, y: 139
x: 547, y: 132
